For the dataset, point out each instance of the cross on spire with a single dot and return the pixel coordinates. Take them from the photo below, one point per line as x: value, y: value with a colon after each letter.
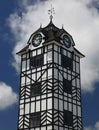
x: 51, y: 12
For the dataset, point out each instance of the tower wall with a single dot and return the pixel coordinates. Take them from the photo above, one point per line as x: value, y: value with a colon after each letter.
x: 50, y: 90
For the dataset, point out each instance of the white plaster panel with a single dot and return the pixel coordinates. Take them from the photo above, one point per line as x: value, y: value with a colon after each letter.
x: 73, y: 65
x: 38, y: 51
x: 22, y: 80
x: 21, y: 111
x: 69, y: 95
x: 49, y: 72
x: 69, y: 77
x: 56, y: 95
x: 43, y: 104
x: 27, y: 95
x: 43, y: 96
x: 28, y: 64
x: 61, y: 128
x: 45, y: 58
x: 55, y: 103
x: 33, y: 70
x: 43, y: 128
x: 49, y: 47
x: 74, y: 109
x: 27, y: 79
x: 56, y: 73
x: 45, y: 49
x: 44, y: 75
x: 77, y: 67
x: 61, y: 105
x: 32, y: 106
x: 38, y: 74
x: 78, y: 102
x: 21, y: 106
x: 37, y: 128
x: 43, y: 67
x: 49, y: 56
x: 69, y: 99
x: 70, y: 106
x: 65, y: 75
x: 27, y: 108
x: 33, y: 76
x: 23, y: 65
x: 65, y: 105
x: 28, y: 72
x: 38, y: 97
x: 33, y: 99
x: 65, y: 98
x: 31, y: 129
x: 37, y: 106
x: 21, y: 101
x: 60, y: 77
x: 49, y: 95
x: 38, y: 69
x: 49, y: 127
x: 56, y: 127
x: 73, y: 82
x: 59, y: 59
x: 55, y: 57
x: 34, y: 53
x: 49, y: 101
x: 60, y: 96
x: 55, y: 47
x: 27, y: 100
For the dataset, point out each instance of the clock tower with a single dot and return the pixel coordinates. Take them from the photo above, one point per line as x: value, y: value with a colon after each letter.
x: 50, y: 87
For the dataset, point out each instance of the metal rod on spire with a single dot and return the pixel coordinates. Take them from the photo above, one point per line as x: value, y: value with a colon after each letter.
x: 51, y: 12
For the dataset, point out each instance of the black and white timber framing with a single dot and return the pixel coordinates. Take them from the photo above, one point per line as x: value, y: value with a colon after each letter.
x: 50, y: 87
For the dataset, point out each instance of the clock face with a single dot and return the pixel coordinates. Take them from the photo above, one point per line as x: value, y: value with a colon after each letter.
x: 37, y: 39
x: 66, y: 41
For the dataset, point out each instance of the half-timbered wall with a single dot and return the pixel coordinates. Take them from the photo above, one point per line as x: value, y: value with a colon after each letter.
x: 67, y: 91
x: 50, y: 94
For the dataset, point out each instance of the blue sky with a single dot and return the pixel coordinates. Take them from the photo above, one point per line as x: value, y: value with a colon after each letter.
x: 80, y: 19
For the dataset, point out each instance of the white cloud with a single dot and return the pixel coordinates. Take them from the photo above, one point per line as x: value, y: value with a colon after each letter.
x: 95, y: 127
x: 79, y: 20
x: 7, y: 96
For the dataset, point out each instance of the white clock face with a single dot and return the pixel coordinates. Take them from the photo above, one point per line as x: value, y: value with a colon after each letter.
x: 66, y: 41
x: 36, y: 40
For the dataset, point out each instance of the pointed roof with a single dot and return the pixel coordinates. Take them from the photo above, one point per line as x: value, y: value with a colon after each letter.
x: 51, y: 32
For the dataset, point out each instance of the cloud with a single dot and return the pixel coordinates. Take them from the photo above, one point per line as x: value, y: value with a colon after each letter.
x: 7, y: 96
x: 79, y: 17
x: 95, y: 127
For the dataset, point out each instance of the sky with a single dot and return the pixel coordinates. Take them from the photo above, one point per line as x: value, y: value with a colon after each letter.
x: 18, y: 20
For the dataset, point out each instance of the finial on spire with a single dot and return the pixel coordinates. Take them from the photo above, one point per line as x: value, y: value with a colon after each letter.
x: 62, y: 26
x: 51, y: 12
x: 40, y: 25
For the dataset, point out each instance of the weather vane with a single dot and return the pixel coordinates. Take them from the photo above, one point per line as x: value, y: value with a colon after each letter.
x: 51, y: 12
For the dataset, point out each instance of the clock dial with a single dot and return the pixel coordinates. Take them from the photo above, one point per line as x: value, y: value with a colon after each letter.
x: 37, y: 39
x: 66, y: 41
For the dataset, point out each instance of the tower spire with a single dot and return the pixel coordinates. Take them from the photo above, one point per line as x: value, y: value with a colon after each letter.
x: 51, y: 12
